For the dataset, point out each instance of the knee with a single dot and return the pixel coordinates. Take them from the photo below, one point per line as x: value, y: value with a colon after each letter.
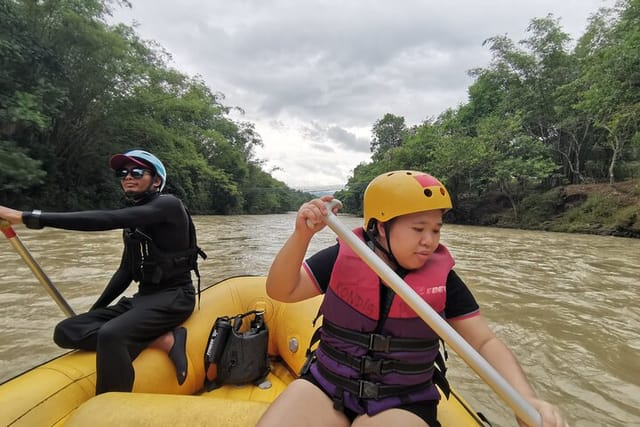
x: 61, y: 336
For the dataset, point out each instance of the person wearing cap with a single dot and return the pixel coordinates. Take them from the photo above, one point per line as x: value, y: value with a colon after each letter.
x: 376, y: 361
x: 159, y: 253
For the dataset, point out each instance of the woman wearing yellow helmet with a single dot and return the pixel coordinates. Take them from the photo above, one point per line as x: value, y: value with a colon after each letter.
x: 398, y: 194
x: 377, y: 361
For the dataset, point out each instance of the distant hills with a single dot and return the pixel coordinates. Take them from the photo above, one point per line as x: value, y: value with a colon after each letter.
x: 322, y: 192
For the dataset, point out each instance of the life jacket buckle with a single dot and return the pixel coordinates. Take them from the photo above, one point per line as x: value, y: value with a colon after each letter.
x: 378, y: 342
x: 370, y: 366
x: 367, y: 390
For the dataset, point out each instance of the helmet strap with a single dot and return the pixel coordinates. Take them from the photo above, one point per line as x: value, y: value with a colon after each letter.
x: 373, y: 235
x: 389, y: 252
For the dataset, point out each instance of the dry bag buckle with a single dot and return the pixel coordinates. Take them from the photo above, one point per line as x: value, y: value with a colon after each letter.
x: 379, y: 342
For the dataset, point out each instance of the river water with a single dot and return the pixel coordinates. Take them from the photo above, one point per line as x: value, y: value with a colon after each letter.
x: 566, y: 304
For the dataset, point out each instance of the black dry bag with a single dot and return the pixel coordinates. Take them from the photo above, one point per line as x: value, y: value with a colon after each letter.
x: 239, y: 357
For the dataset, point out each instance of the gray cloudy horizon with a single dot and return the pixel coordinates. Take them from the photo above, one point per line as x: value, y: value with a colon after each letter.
x: 314, y: 76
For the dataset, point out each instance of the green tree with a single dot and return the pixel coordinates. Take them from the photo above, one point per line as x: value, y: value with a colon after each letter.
x: 74, y: 90
x: 18, y: 171
x: 524, y: 83
x: 612, y: 95
x: 388, y: 132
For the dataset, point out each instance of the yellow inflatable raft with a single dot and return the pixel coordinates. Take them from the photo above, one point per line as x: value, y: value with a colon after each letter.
x: 61, y: 392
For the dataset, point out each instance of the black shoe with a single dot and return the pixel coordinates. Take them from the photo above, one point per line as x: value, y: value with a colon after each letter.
x: 178, y: 353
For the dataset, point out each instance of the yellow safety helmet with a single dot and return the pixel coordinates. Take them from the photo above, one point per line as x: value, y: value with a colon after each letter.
x: 403, y: 192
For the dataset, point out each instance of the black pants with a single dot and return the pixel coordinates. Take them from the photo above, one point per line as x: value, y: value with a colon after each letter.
x: 119, y: 333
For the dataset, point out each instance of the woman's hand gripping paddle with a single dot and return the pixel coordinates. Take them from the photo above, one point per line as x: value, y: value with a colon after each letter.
x: 15, y: 241
x: 507, y: 393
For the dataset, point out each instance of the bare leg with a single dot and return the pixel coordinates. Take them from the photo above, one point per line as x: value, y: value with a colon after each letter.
x: 302, y: 404
x: 390, y: 417
x: 163, y: 342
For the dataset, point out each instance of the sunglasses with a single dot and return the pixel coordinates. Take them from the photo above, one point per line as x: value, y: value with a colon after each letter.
x: 136, y: 173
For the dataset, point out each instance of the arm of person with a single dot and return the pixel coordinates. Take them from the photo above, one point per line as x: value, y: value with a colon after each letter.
x: 477, y: 333
x: 287, y: 280
x: 160, y: 210
x: 12, y: 216
x: 120, y: 281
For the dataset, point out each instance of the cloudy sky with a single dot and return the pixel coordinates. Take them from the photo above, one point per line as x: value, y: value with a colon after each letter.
x: 315, y: 75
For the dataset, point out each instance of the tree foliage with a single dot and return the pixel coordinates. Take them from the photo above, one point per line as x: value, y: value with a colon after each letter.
x: 389, y: 132
x: 545, y: 112
x: 75, y: 90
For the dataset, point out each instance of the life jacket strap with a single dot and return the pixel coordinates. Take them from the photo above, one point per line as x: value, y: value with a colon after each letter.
x: 439, y: 375
x: 379, y: 342
x: 367, y: 365
x: 364, y: 389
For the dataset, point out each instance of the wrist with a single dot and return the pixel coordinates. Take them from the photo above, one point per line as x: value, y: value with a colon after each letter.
x: 32, y: 219
x: 302, y: 236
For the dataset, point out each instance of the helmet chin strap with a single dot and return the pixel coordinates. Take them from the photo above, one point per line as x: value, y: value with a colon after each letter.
x: 373, y: 240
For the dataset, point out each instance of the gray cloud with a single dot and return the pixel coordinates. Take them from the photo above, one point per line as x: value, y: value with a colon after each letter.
x: 328, y: 137
x: 348, y: 140
x: 324, y: 67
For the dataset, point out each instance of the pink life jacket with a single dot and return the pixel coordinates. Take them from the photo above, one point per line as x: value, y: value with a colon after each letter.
x: 367, y: 371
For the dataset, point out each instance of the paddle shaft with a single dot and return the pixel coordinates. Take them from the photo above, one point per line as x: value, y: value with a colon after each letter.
x: 24, y: 253
x: 509, y: 395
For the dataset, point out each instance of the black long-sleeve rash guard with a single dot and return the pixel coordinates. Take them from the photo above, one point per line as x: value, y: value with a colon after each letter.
x: 161, y: 217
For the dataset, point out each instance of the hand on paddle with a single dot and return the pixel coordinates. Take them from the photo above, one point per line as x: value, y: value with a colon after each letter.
x: 12, y: 216
x: 311, y: 214
x: 287, y: 280
x: 550, y: 414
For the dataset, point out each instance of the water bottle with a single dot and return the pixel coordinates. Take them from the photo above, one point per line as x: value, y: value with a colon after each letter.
x: 218, y: 339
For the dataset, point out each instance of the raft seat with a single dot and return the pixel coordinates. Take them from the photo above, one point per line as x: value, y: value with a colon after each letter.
x: 229, y: 405
x: 157, y: 399
x: 49, y: 391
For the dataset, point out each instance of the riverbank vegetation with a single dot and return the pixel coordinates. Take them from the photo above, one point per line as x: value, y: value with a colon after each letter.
x: 549, y: 131
x: 75, y: 90
x: 549, y: 137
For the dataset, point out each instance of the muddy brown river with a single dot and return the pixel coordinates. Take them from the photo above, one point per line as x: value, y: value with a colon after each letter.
x: 566, y: 304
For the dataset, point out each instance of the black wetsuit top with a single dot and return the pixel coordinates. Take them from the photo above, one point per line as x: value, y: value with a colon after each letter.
x: 161, y: 217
